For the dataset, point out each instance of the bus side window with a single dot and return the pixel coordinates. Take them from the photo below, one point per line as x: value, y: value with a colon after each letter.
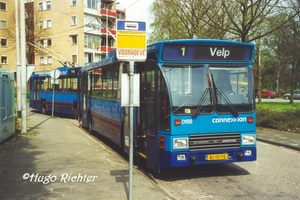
x: 146, y: 89
x: 115, y: 80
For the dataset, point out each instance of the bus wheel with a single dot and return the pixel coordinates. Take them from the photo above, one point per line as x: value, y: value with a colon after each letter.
x: 90, y: 125
x: 75, y: 115
x: 43, y: 107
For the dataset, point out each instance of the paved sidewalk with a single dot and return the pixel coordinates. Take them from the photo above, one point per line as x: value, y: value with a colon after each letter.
x: 58, y: 160
x: 280, y: 138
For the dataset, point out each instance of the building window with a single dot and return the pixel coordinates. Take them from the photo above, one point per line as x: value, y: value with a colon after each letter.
x: 45, y: 24
x: 41, y: 24
x: 45, y: 5
x: 49, y: 59
x: 49, y: 42
x: 3, y: 42
x: 92, y: 22
x: 40, y: 6
x: 74, y: 59
x: 74, y: 20
x: 93, y: 4
x: 46, y: 42
x: 119, y: 15
x: 3, y: 24
x: 3, y: 59
x: 48, y: 5
x: 97, y: 57
x: 92, y: 41
x: 74, y: 39
x: 41, y: 60
x: 49, y: 24
x: 3, y: 6
x: 73, y: 2
x: 46, y: 60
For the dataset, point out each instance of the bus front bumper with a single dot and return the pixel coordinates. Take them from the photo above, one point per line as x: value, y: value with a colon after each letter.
x: 191, y: 158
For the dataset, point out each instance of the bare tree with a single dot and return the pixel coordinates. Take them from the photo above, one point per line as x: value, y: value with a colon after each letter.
x: 283, y: 45
x: 248, y: 19
x: 34, y: 34
x: 291, y: 36
x: 176, y: 19
x: 242, y: 20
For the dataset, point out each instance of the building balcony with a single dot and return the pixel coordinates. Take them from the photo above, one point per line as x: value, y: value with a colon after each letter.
x: 104, y: 31
x: 109, y: 13
x: 109, y: 49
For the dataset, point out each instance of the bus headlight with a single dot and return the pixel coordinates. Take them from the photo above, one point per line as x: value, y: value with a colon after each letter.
x: 248, y: 139
x: 180, y: 143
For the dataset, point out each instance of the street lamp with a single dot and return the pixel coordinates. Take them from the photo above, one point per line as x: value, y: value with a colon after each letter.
x: 107, y: 24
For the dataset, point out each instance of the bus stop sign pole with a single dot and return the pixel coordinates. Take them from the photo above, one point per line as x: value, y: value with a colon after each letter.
x: 131, y: 46
x: 131, y: 86
x: 54, y: 75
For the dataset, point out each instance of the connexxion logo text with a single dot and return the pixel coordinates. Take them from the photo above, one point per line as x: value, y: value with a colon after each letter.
x: 229, y: 120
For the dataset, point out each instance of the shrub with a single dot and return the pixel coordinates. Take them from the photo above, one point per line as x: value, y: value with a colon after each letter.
x: 287, y: 120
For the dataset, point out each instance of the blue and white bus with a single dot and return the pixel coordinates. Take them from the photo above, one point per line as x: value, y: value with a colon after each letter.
x: 65, y: 91
x: 197, y: 103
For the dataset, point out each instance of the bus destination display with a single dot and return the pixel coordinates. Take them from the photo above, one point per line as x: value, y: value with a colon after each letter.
x: 206, y: 52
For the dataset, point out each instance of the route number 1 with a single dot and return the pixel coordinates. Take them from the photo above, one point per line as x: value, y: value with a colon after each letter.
x: 183, y: 51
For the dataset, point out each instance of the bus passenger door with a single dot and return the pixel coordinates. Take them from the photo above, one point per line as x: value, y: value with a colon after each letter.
x: 79, y: 97
x: 82, y: 97
x: 147, y: 115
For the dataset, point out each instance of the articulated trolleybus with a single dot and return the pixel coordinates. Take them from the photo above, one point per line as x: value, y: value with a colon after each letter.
x: 65, y: 91
x: 197, y: 103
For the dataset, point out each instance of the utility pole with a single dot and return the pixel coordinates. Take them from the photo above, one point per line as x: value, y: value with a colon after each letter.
x: 23, y: 67
x: 18, y: 69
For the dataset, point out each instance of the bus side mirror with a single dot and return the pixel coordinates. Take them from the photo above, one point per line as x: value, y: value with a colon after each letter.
x: 146, y: 89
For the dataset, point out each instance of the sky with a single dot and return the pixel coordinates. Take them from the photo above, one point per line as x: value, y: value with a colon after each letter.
x: 137, y: 10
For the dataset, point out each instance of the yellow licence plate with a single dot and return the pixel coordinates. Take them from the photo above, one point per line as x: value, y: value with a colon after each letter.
x: 223, y: 156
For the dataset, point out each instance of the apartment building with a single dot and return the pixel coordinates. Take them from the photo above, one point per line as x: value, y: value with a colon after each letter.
x: 8, y: 46
x: 70, y: 32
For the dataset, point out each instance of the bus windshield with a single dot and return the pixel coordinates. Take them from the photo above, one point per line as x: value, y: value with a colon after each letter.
x: 188, y: 88
x: 233, y: 85
x: 193, y: 92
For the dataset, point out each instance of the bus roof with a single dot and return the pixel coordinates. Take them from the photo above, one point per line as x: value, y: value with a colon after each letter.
x: 64, y: 71
x: 109, y: 59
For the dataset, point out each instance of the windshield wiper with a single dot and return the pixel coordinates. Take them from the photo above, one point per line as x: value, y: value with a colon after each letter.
x: 200, y: 102
x: 224, y: 97
x: 179, y: 107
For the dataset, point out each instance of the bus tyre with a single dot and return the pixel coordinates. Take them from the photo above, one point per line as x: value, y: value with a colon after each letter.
x: 75, y: 115
x: 43, y: 107
x: 90, y: 126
